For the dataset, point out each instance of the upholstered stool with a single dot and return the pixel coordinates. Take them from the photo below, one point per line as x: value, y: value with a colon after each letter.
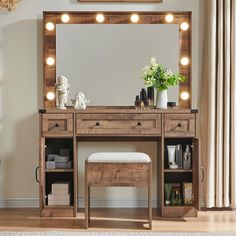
x: 131, y: 169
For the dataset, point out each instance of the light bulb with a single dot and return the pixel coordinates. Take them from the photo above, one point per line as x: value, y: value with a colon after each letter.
x: 169, y: 18
x: 50, y: 61
x: 50, y: 96
x: 65, y: 18
x: 184, y: 61
x: 184, y: 26
x: 50, y: 26
x: 184, y: 96
x: 100, y: 18
x: 134, y: 18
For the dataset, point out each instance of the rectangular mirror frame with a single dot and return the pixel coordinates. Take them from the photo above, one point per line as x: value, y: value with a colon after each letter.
x: 49, y: 41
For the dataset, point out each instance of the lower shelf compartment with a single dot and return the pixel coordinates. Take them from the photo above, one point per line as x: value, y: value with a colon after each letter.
x: 179, y: 211
x: 58, y: 211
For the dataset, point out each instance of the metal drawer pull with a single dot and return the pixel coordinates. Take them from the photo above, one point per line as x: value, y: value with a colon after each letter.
x: 36, y: 174
x: 97, y: 124
x: 179, y: 125
x: 57, y: 125
x: 139, y: 124
x: 203, y: 174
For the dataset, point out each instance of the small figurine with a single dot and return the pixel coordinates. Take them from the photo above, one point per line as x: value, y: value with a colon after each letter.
x: 79, y: 102
x: 62, y: 88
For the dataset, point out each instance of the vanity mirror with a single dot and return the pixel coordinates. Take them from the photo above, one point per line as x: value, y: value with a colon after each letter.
x: 104, y: 53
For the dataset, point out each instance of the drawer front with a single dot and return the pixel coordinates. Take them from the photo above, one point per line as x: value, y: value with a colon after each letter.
x: 119, y: 124
x: 180, y: 125
x: 57, y: 124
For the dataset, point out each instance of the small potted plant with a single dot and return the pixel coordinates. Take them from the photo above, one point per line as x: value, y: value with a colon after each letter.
x: 161, y: 78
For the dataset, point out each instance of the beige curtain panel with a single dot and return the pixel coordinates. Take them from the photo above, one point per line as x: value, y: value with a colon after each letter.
x: 219, y: 105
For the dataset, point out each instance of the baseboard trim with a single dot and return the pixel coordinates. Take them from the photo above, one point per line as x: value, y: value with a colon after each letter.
x: 96, y: 203
x: 19, y: 202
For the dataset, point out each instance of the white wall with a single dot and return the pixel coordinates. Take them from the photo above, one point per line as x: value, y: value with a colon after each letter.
x: 21, y: 90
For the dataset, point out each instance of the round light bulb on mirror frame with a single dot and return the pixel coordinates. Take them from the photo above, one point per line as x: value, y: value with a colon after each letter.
x: 100, y: 18
x: 50, y: 26
x: 184, y: 95
x: 169, y: 18
x: 184, y: 26
x: 184, y: 61
x: 65, y: 18
x: 50, y: 61
x: 134, y: 18
x: 50, y: 96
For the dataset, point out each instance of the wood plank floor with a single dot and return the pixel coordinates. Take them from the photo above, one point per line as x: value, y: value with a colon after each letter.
x: 116, y: 220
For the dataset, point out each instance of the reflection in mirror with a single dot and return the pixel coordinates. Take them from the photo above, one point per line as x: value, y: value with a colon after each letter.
x: 105, y: 61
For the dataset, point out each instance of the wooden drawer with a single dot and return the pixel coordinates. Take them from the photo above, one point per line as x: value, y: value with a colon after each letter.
x: 180, y: 125
x: 119, y: 124
x: 57, y: 125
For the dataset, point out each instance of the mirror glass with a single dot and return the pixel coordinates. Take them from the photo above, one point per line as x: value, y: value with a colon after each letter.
x: 105, y: 60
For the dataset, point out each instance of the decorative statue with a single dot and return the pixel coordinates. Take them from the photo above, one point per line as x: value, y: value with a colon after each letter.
x: 62, y: 88
x: 79, y: 102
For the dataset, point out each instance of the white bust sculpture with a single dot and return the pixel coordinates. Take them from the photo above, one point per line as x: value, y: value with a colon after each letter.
x: 79, y: 102
x: 62, y: 88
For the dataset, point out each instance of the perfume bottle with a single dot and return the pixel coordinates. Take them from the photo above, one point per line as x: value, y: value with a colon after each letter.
x: 179, y: 155
x: 150, y: 96
x: 137, y: 102
x: 143, y: 99
x: 187, y: 159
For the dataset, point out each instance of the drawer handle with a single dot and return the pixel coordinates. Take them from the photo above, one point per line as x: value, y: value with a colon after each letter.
x: 36, y: 174
x: 97, y: 124
x: 179, y: 125
x: 57, y: 125
x: 139, y: 124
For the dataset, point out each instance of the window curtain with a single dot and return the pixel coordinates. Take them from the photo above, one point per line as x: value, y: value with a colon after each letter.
x: 219, y: 103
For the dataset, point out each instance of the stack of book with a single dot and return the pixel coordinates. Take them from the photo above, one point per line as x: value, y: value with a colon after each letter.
x: 60, y: 195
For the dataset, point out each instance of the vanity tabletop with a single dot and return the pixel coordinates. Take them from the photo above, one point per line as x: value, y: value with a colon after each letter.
x: 119, y: 110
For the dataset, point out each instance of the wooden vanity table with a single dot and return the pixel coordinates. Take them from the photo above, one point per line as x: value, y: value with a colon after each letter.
x: 65, y: 128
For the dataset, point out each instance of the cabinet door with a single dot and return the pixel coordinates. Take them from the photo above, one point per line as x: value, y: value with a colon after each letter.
x: 42, y: 173
x: 196, y: 164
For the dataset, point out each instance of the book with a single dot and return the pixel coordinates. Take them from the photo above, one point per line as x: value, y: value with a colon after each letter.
x: 60, y: 185
x: 58, y: 202
x: 59, y: 197
x: 60, y: 188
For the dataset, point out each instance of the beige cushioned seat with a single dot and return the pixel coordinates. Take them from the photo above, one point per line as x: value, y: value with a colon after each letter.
x: 119, y: 157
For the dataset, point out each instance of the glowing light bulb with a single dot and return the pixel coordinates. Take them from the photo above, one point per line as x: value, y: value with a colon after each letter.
x: 184, y: 26
x: 169, y: 18
x: 184, y: 96
x: 50, y: 96
x: 184, y: 61
x: 134, y: 18
x: 50, y: 26
x: 65, y: 18
x: 50, y: 61
x: 100, y: 18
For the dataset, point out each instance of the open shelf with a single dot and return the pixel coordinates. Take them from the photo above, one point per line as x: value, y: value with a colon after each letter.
x: 180, y: 206
x: 60, y: 207
x: 59, y: 170
x: 177, y: 170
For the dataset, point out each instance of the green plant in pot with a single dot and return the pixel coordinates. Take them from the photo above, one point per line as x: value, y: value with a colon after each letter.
x: 159, y: 77
x: 167, y: 190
